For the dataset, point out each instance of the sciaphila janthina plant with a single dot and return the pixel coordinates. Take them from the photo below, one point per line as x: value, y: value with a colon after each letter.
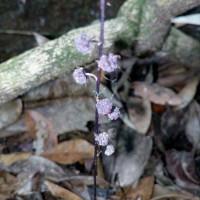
x: 106, y: 63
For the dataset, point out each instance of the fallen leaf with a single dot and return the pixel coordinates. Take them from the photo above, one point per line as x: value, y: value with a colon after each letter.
x: 61, y: 192
x: 41, y: 130
x: 67, y: 114
x: 139, y: 113
x: 142, y: 191
x: 187, y: 93
x: 10, y: 112
x: 8, y: 184
x: 34, y: 164
x: 86, y: 180
x: 132, y: 151
x: 69, y: 152
x: 181, y: 166
x: 192, y: 126
x: 156, y: 94
x: 8, y: 159
x: 162, y: 192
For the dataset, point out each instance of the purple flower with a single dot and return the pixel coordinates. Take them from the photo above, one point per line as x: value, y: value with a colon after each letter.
x: 109, y: 150
x: 108, y: 63
x: 79, y: 76
x: 102, y: 139
x: 104, y: 106
x: 115, y: 114
x: 83, y: 44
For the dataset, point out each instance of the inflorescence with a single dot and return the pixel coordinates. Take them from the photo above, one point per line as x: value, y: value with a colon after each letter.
x: 107, y: 63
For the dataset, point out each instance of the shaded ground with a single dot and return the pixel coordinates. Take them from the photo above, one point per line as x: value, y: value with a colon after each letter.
x: 46, y: 140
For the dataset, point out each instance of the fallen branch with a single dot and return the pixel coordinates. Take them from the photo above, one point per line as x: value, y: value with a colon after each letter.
x: 39, y: 65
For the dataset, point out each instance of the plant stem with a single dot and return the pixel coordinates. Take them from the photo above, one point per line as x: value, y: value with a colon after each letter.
x: 102, y: 9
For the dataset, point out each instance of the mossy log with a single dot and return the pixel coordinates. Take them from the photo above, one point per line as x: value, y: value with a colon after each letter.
x: 36, y: 66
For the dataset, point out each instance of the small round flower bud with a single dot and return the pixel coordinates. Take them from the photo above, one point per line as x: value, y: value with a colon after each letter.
x: 109, y: 150
x: 83, y: 44
x: 108, y: 63
x: 115, y: 114
x: 79, y: 76
x: 104, y: 106
x: 102, y: 139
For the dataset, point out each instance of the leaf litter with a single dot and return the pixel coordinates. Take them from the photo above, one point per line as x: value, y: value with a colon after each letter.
x: 47, y: 147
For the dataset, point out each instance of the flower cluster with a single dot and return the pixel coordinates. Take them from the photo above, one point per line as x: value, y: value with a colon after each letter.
x: 80, y: 76
x: 105, y: 107
x: 108, y: 63
x: 102, y: 140
x: 83, y: 44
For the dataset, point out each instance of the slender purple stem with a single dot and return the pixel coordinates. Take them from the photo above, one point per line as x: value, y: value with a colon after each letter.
x: 102, y: 8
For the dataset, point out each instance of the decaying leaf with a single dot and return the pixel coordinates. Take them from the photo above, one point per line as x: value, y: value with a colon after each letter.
x: 132, y: 152
x: 86, y: 180
x: 33, y: 183
x: 192, y: 126
x: 181, y: 166
x: 8, y: 184
x: 10, y: 112
x: 187, y: 93
x: 142, y: 191
x: 69, y: 152
x: 8, y: 159
x: 41, y: 130
x: 156, y: 94
x: 34, y: 164
x: 59, y: 191
x: 140, y: 114
x: 67, y: 114
x: 161, y: 192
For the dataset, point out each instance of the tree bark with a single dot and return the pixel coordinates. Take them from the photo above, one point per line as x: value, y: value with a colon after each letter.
x: 36, y: 66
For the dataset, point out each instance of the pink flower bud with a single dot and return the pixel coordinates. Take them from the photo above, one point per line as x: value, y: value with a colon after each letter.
x: 109, y: 150
x: 108, y: 63
x: 83, y: 44
x: 79, y: 76
x: 115, y: 114
x: 104, y: 106
x: 102, y: 139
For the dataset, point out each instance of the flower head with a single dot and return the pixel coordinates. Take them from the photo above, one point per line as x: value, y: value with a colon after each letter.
x: 109, y: 150
x: 115, y: 114
x: 79, y: 76
x: 108, y: 63
x: 104, y: 106
x: 102, y: 139
x: 83, y: 44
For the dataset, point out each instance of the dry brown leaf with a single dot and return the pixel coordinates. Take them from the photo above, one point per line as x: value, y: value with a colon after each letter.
x: 8, y: 159
x: 86, y: 180
x: 41, y: 130
x: 188, y: 92
x: 70, y: 151
x: 59, y: 191
x: 140, y: 114
x: 8, y: 183
x: 181, y: 166
x: 161, y: 192
x: 142, y: 191
x: 156, y: 94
